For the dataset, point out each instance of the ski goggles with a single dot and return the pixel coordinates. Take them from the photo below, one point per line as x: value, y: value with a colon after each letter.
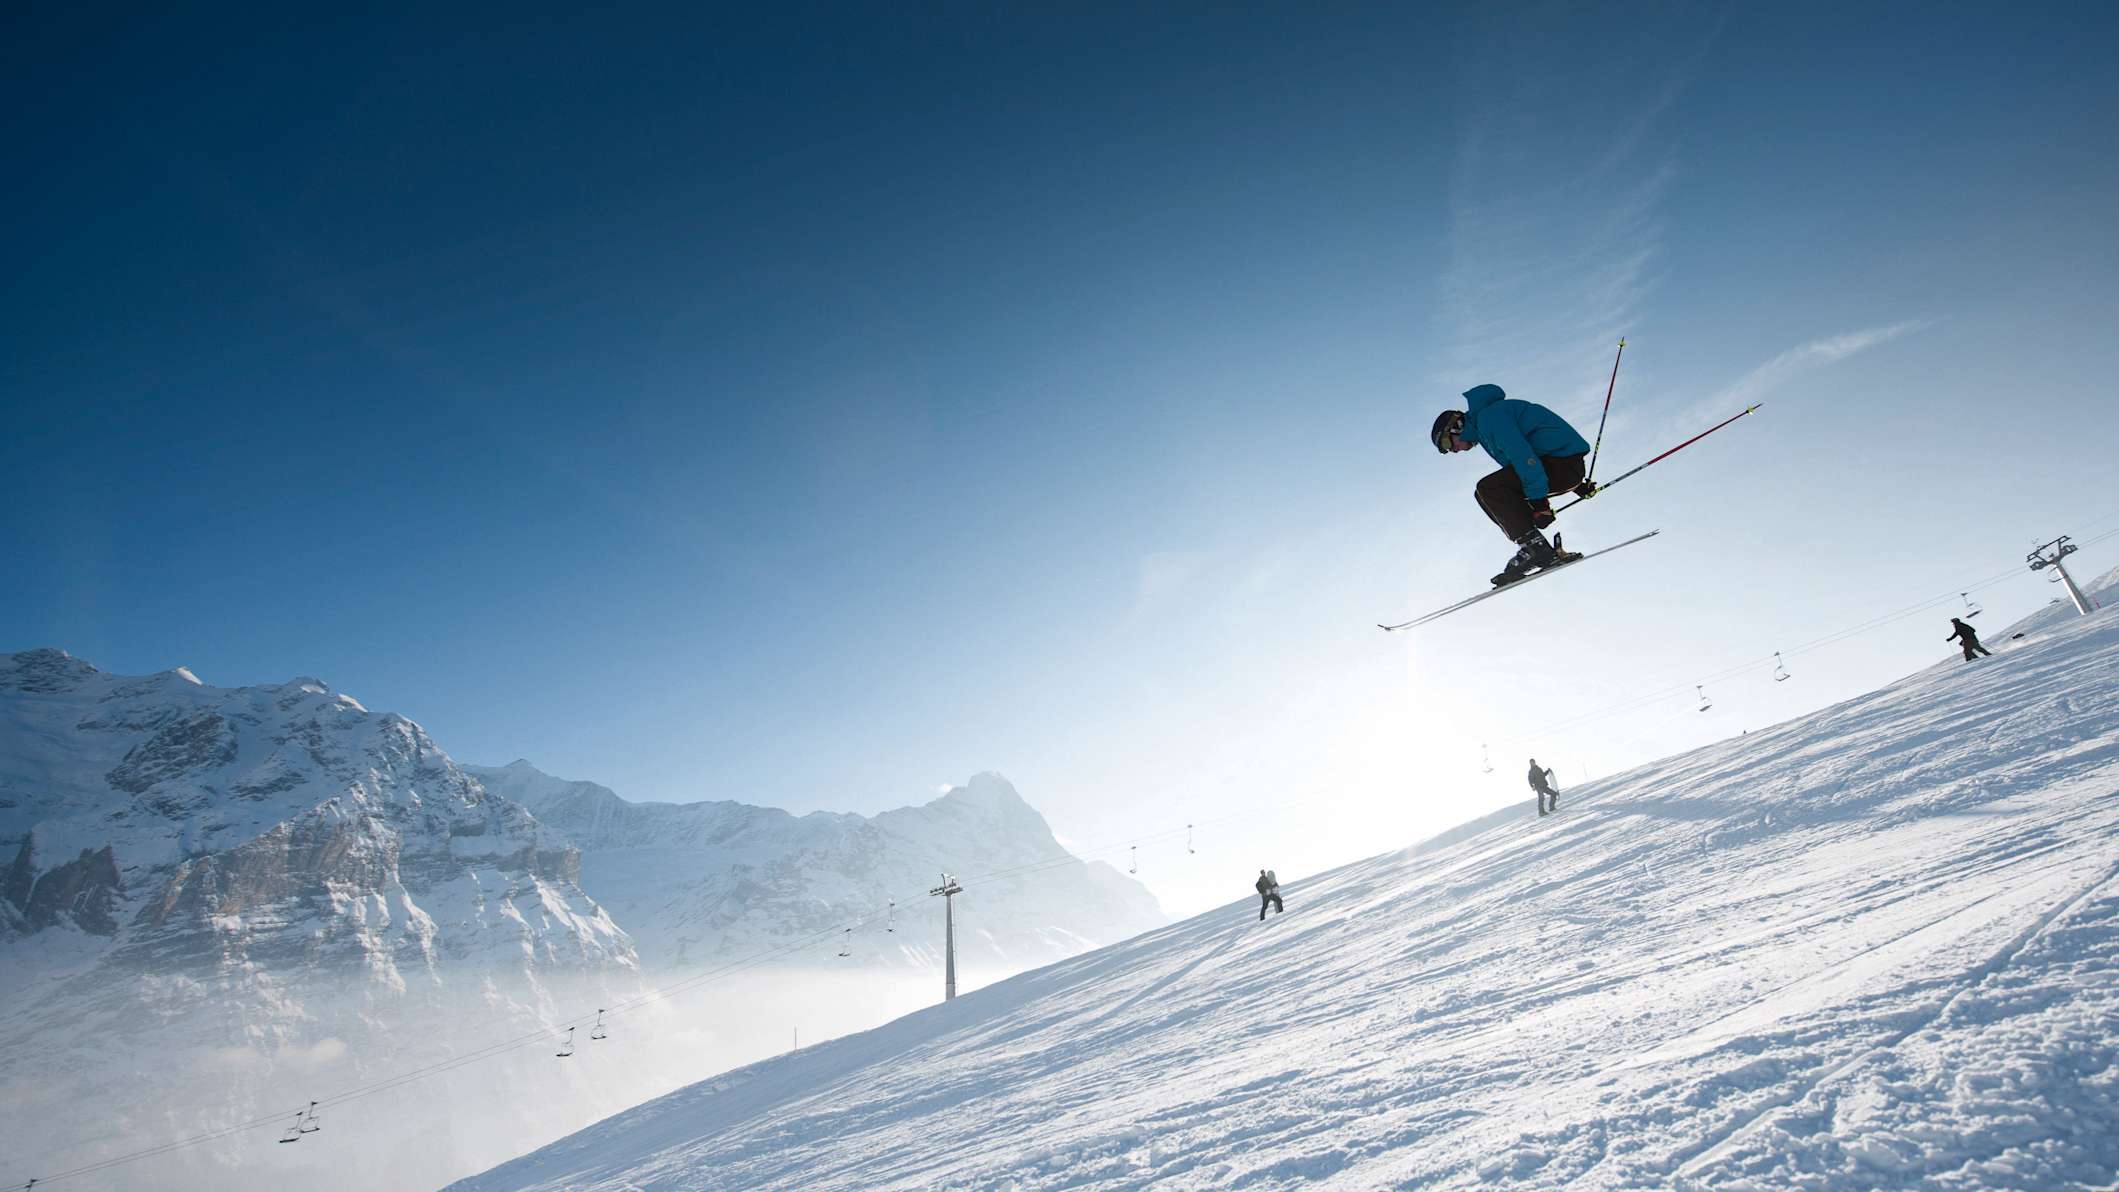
x: 1446, y: 428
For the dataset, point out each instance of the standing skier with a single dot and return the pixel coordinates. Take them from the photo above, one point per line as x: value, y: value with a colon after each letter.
x: 1969, y: 637
x: 1539, y: 455
x: 1541, y: 782
x: 1268, y: 892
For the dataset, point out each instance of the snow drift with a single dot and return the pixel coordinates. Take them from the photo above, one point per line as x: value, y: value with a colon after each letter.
x: 1872, y: 947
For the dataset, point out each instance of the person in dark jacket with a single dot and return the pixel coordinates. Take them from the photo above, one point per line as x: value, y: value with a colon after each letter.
x: 1268, y: 892
x: 1968, y: 637
x: 1541, y: 782
x: 1539, y: 454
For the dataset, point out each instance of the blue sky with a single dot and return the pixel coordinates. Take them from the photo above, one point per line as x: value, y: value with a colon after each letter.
x: 816, y: 407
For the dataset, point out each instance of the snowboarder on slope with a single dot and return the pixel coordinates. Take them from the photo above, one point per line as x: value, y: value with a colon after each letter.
x: 1969, y: 637
x: 1268, y: 892
x: 1539, y: 454
x: 1541, y: 782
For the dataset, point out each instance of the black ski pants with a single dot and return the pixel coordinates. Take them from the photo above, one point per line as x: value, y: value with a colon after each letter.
x: 1501, y: 493
x: 1263, y: 899
x: 1971, y: 644
x: 1548, y: 799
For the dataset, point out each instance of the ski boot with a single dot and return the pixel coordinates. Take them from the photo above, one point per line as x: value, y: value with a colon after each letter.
x: 1533, y: 553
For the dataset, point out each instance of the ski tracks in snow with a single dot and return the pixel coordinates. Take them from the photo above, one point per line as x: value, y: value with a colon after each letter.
x: 1771, y: 1144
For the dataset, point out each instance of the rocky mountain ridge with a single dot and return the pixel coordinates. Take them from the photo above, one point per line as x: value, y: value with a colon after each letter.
x: 705, y: 882
x: 196, y: 827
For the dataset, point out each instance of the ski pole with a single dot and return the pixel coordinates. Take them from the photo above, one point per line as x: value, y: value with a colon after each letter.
x: 1673, y: 451
x: 1591, y: 475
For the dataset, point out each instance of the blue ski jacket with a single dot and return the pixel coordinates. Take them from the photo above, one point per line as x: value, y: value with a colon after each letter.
x: 1516, y: 433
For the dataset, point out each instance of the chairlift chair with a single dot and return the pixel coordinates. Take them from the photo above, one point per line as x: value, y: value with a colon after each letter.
x: 568, y: 1048
x: 1972, y: 608
x: 1780, y: 669
x: 846, y: 943
x: 1134, y: 867
x: 1188, y: 839
x: 304, y: 1123
x: 1705, y: 703
x: 1486, y: 764
x: 890, y: 915
x: 598, y: 1032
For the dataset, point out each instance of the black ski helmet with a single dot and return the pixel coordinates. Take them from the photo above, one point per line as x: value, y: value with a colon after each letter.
x: 1448, y: 422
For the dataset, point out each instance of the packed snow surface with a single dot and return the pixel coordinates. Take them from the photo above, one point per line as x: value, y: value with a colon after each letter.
x: 1874, y: 947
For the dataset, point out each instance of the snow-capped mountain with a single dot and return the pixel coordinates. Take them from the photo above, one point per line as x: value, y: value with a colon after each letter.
x: 214, y: 899
x: 705, y: 883
x: 205, y: 831
x: 1872, y: 947
x: 219, y: 903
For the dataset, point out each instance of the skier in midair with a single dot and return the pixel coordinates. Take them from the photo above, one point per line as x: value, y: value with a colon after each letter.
x: 1541, y: 782
x: 1539, y: 454
x: 1968, y: 637
x: 1268, y: 888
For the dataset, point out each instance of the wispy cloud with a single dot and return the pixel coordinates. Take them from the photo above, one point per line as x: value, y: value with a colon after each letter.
x: 1818, y: 352
x: 1557, y: 197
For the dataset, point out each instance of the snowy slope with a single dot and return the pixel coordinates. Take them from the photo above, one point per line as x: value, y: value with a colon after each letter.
x: 1877, y: 946
x: 699, y: 884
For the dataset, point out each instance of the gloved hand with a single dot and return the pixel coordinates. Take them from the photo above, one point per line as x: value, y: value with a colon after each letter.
x: 1541, y: 513
x: 1586, y: 489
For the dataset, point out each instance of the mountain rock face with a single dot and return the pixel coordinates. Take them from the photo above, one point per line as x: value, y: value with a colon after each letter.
x: 704, y: 883
x: 215, y: 901
x: 200, y: 829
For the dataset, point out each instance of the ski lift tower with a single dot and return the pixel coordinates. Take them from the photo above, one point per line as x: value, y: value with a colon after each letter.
x: 948, y: 890
x: 2061, y: 549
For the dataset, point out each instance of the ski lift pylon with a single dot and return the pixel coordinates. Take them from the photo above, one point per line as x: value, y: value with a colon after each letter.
x: 1780, y: 669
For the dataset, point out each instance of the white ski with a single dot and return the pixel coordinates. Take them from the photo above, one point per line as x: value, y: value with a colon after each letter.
x: 1531, y: 578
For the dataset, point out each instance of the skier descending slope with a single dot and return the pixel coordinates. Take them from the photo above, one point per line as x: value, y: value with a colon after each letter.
x: 1968, y: 637
x: 1539, y: 454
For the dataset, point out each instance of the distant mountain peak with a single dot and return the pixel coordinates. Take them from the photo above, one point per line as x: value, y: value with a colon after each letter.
x: 43, y: 670
x: 987, y: 787
x: 704, y: 881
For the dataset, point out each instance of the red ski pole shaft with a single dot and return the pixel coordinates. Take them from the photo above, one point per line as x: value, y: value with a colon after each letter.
x: 1673, y: 451
x: 1614, y: 384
